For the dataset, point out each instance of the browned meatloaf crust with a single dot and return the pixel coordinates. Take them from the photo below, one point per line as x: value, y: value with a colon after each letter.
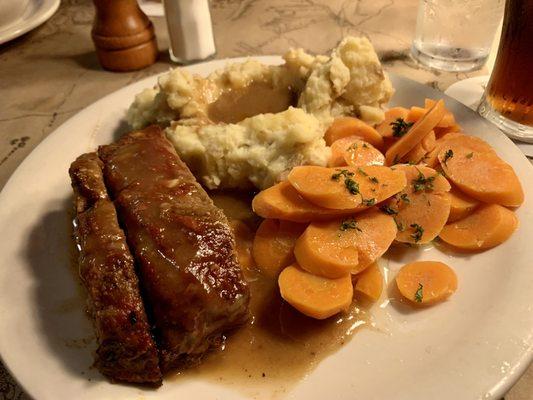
x: 182, y: 243
x: 126, y: 349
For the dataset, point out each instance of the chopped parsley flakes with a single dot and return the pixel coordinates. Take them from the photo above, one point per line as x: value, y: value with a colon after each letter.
x: 447, y: 155
x: 368, y: 202
x: 419, y: 295
x: 470, y: 155
x: 388, y: 210
x: 400, y: 127
x: 419, y: 231
x: 422, y: 183
x: 349, y: 223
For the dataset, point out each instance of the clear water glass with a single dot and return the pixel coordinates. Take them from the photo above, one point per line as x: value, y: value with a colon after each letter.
x: 456, y: 35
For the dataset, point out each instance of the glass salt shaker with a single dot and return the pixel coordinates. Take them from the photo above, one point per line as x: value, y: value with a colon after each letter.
x: 190, y: 30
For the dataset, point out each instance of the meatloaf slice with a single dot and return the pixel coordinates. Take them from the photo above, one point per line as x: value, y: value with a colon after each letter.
x: 182, y: 243
x: 126, y: 349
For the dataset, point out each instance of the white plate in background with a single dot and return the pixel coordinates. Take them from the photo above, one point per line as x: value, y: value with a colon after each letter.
x: 20, y: 16
x: 474, y: 346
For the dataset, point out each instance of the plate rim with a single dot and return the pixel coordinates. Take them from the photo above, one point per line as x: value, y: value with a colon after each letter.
x: 500, y: 387
x: 45, y: 9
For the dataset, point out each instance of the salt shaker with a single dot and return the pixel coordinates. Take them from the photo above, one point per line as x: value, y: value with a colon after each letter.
x: 190, y: 30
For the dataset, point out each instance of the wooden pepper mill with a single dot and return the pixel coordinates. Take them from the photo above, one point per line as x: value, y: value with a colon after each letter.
x: 123, y: 36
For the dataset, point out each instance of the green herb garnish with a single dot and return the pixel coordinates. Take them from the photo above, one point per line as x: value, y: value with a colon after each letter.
x: 400, y: 127
x: 351, y: 185
x: 342, y: 172
x: 470, y: 155
x: 368, y: 202
x: 388, y: 210
x: 405, y: 198
x: 360, y: 170
x: 419, y: 295
x: 365, y: 146
x: 422, y: 183
x: 447, y: 155
x: 349, y: 224
x: 399, y: 225
x: 373, y: 179
x: 419, y: 231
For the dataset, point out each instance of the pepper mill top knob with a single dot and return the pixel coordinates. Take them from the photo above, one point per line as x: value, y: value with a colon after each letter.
x: 123, y: 36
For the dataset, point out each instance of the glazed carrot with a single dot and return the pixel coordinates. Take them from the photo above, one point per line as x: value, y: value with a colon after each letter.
x: 473, y: 166
x: 422, y: 208
x: 419, y: 152
x: 349, y: 188
x: 283, y: 202
x: 350, y: 126
x: 370, y: 282
x: 361, y: 153
x: 488, y: 226
x: 426, y: 282
x: 273, y: 245
x: 354, y: 152
x: 315, y: 296
x: 325, y: 250
x: 385, y: 129
x: 447, y: 120
x: 338, y: 147
x: 431, y: 159
x: 415, y: 113
x: 461, y: 205
x: 243, y: 243
x: 415, y: 134
x: 329, y: 248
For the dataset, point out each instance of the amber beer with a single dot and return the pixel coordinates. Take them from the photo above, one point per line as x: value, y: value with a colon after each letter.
x: 510, y: 89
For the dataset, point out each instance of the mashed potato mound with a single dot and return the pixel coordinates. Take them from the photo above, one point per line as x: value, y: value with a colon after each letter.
x: 259, y: 150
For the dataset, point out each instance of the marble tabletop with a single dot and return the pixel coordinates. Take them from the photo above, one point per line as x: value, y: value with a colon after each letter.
x: 51, y: 73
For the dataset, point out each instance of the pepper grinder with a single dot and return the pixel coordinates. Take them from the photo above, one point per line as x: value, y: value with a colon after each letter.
x: 123, y: 36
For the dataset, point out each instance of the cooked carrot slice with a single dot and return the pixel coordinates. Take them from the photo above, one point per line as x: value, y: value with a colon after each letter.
x: 419, y: 152
x: 473, y: 166
x: 243, y: 243
x: 354, y: 152
x: 325, y: 250
x: 461, y: 205
x: 488, y: 226
x: 426, y: 282
x: 338, y: 147
x: 273, y: 245
x: 447, y: 120
x: 431, y: 159
x: 349, y: 188
x: 348, y: 245
x: 283, y: 202
x: 350, y: 126
x: 385, y: 128
x: 422, y: 208
x: 415, y: 134
x: 361, y: 153
x: 315, y: 296
x: 370, y: 282
x: 415, y: 113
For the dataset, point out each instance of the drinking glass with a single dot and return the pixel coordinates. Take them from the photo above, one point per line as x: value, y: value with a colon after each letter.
x: 508, y: 98
x: 455, y: 35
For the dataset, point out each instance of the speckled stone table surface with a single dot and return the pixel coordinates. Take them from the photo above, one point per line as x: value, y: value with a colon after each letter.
x: 49, y: 74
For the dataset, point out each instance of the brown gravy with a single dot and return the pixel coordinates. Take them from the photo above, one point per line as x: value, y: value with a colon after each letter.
x: 278, y: 346
x: 235, y: 105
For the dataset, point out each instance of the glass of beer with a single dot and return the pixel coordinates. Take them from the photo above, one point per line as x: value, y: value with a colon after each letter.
x: 508, y: 98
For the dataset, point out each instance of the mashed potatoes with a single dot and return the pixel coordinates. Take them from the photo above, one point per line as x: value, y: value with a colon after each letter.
x: 226, y: 152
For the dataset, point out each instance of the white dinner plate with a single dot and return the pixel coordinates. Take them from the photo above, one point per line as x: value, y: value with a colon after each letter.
x: 20, y: 16
x: 473, y: 346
